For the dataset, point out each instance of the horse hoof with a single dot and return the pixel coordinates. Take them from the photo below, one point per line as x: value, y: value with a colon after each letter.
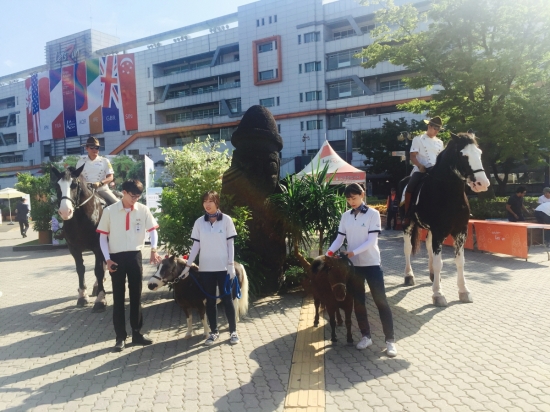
x: 99, y: 307
x: 409, y: 281
x: 188, y: 336
x: 439, y: 301
x: 432, y: 277
x: 94, y: 291
x: 315, y: 324
x: 81, y: 302
x: 465, y: 297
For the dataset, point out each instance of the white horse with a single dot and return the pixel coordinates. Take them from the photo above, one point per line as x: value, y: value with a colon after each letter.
x: 440, y: 206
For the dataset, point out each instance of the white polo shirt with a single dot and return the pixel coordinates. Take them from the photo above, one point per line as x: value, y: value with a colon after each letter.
x: 213, y: 255
x: 543, y: 199
x: 426, y: 149
x: 544, y: 208
x: 126, y: 229
x: 95, y: 170
x: 356, y: 229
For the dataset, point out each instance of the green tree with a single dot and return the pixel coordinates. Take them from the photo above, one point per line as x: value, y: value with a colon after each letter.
x: 189, y: 173
x: 125, y: 167
x: 41, y: 192
x: 310, y: 206
x: 378, y: 144
x: 490, y: 63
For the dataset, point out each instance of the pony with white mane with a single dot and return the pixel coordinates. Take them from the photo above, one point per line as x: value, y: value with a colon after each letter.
x: 188, y: 292
x: 439, y: 204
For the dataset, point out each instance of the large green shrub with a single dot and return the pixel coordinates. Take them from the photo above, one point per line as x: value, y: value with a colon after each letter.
x: 496, y: 208
x: 41, y: 193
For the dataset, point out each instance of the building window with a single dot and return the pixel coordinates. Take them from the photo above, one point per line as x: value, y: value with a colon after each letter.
x: 150, y: 119
x: 258, y: 23
x: 312, y: 37
x: 344, y: 59
x: 343, y: 34
x: 279, y: 128
x: 314, y: 124
x: 266, y: 75
x: 368, y: 29
x: 299, y: 39
x: 263, y: 21
x: 133, y: 152
x: 312, y: 67
x: 278, y: 101
x: 234, y: 105
x: 269, y: 19
x: 17, y: 119
x: 344, y: 89
x: 148, y: 72
x: 265, y: 47
x: 392, y: 85
x: 336, y: 121
x: 149, y: 95
x: 300, y: 68
x: 311, y: 96
x: 275, y: 18
x: 301, y: 97
x: 302, y: 126
x: 270, y: 102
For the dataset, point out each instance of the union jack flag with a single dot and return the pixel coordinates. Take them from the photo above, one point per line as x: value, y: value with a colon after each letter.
x: 108, y: 69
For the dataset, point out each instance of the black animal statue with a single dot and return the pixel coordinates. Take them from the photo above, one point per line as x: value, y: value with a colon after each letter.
x: 189, y: 296
x: 81, y: 209
x: 439, y: 204
x: 252, y: 177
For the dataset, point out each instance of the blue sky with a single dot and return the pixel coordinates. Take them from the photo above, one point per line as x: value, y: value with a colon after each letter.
x: 27, y: 25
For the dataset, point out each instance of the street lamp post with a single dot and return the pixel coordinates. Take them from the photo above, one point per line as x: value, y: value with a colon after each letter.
x: 304, y: 139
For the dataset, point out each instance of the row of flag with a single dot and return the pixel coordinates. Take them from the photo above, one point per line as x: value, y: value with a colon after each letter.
x: 90, y: 97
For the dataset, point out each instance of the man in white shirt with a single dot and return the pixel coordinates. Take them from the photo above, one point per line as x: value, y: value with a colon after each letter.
x: 424, y: 151
x: 98, y: 171
x: 545, y: 196
x: 122, y: 231
x: 542, y: 214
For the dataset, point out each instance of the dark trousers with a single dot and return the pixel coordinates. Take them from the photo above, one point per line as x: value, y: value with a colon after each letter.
x: 129, y: 265
x: 512, y: 218
x: 210, y: 281
x: 24, y: 226
x: 392, y: 215
x: 375, y: 279
x: 544, y: 219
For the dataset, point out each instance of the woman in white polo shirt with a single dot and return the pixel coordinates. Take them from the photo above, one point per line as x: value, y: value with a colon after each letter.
x: 213, y: 235
x: 361, y: 227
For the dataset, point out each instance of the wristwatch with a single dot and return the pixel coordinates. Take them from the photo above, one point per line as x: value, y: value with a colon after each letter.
x: 153, y: 250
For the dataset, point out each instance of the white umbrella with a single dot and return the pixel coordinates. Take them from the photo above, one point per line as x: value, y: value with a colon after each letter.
x: 10, y: 193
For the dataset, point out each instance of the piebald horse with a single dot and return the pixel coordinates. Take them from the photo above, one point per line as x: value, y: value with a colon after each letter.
x: 81, y: 209
x: 439, y: 204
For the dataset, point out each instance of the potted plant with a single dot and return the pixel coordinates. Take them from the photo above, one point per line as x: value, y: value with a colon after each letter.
x: 41, y: 215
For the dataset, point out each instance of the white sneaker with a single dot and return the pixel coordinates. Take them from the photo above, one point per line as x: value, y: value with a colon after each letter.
x: 234, y: 338
x: 391, y: 350
x: 211, y: 339
x: 364, y: 343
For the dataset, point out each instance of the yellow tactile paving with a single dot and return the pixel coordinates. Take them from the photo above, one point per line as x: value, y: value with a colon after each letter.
x: 306, y: 388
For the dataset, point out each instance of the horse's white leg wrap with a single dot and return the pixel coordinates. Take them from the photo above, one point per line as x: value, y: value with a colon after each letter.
x: 189, y: 326
x: 407, y: 247
x: 101, y: 298
x: 463, y: 293
x: 430, y: 253
x: 437, y: 288
x: 205, y: 325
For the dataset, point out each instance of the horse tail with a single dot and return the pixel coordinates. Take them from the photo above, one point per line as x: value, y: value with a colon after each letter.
x: 415, y: 237
x: 243, y: 301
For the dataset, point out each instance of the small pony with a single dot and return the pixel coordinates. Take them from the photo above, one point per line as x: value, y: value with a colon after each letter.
x: 189, y: 295
x: 329, y: 282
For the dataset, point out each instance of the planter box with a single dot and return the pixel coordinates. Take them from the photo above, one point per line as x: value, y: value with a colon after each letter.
x: 45, y: 237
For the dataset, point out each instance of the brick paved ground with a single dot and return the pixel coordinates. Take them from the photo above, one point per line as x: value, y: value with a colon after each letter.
x: 489, y: 355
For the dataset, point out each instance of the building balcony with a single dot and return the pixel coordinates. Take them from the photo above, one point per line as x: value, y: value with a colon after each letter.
x: 197, y: 74
x: 199, y: 98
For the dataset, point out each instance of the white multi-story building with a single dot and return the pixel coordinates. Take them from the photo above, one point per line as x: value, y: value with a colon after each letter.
x: 297, y: 58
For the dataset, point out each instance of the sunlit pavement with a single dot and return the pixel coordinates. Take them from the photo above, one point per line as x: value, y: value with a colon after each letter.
x: 488, y: 355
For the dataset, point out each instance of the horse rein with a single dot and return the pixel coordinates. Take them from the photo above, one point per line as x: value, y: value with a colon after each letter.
x: 79, y: 190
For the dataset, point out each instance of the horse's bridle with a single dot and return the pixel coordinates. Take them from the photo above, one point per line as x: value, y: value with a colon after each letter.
x: 78, y: 191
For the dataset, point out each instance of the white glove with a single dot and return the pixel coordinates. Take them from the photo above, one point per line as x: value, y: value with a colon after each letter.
x: 185, y: 271
x: 231, y: 271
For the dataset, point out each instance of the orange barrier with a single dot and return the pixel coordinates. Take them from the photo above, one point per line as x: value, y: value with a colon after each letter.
x: 509, y: 238
x: 449, y: 241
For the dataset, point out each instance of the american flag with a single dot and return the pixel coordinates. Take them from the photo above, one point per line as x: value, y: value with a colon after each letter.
x: 35, y: 106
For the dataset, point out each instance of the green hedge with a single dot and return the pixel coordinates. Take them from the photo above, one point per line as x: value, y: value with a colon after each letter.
x: 496, y: 208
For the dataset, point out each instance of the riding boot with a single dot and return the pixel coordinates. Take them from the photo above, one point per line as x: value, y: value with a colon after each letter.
x: 407, y: 219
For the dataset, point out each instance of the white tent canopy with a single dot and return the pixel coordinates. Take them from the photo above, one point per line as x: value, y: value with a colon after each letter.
x: 343, y: 172
x: 10, y: 193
